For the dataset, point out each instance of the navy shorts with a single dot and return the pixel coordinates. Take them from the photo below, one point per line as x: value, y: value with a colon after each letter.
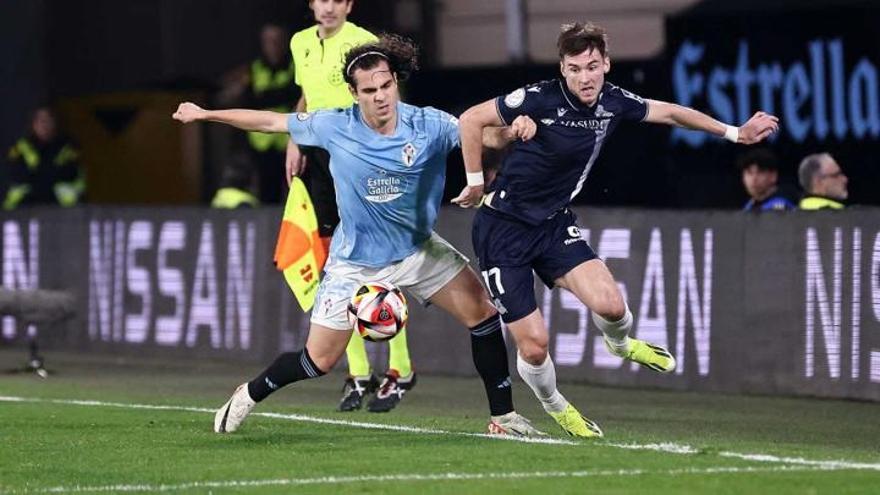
x: 508, y: 250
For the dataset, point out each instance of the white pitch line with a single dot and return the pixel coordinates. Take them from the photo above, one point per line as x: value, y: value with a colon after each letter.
x: 412, y: 429
x: 671, y: 448
x: 831, y: 464
x: 336, y: 480
x: 301, y: 418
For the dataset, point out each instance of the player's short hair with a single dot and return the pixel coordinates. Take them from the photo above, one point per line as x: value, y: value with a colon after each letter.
x: 763, y: 158
x: 578, y: 37
x: 809, y: 168
x: 401, y: 54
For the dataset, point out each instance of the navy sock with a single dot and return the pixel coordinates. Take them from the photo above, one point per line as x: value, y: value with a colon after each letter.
x: 287, y: 368
x: 490, y: 358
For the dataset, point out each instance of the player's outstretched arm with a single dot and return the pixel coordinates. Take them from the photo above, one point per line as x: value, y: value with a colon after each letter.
x: 248, y: 120
x: 755, y: 130
x: 471, y: 126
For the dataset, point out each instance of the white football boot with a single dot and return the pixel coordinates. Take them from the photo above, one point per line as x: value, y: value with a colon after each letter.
x: 513, y: 424
x: 230, y: 416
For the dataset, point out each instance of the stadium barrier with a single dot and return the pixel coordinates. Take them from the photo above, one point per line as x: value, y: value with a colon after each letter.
x: 773, y: 304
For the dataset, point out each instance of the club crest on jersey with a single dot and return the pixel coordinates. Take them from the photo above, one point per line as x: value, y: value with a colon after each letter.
x: 515, y: 98
x: 408, y: 155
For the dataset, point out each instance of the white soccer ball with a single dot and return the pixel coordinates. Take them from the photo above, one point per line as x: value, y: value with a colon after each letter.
x: 377, y: 311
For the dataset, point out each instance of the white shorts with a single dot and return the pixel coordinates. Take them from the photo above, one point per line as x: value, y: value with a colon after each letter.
x: 421, y: 274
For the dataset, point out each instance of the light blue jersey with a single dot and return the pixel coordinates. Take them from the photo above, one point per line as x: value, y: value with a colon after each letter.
x: 388, y: 188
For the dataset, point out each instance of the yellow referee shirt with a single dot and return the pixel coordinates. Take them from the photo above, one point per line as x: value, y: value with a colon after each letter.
x: 319, y: 64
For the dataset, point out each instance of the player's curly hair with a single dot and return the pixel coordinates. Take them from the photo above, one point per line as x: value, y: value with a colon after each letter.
x: 401, y: 53
x: 576, y: 38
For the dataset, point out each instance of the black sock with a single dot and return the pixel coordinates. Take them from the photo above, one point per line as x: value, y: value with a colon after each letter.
x: 490, y: 358
x: 288, y: 368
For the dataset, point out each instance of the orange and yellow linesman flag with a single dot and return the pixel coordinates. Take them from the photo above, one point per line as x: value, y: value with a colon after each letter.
x: 299, y: 253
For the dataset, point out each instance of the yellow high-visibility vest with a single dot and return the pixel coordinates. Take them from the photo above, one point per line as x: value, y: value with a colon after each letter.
x: 319, y: 64
x: 819, y: 203
x: 265, y: 78
x: 67, y: 193
x: 231, y: 198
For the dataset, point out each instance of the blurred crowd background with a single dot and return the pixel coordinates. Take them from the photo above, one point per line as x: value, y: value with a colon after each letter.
x: 88, y: 86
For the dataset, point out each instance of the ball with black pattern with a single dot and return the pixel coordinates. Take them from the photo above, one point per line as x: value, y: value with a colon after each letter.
x: 377, y: 311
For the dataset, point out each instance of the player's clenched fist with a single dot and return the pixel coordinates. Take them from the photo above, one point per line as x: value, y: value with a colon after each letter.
x: 188, y: 112
x: 523, y: 128
x: 758, y: 128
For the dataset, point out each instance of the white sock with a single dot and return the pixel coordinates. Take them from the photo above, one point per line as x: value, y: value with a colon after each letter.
x: 616, y: 332
x: 542, y: 380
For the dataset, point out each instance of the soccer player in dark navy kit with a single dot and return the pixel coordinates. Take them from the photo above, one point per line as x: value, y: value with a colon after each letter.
x: 525, y: 224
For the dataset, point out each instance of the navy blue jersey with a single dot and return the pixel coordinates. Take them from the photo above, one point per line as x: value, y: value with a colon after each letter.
x: 542, y: 176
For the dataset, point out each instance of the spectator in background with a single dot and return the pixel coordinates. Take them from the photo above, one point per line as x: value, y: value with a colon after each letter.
x: 271, y: 88
x: 235, y: 186
x: 266, y: 84
x: 44, y: 166
x: 823, y: 181
x: 760, y: 176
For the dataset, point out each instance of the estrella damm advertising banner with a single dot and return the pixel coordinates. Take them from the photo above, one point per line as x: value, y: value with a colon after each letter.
x: 817, y: 70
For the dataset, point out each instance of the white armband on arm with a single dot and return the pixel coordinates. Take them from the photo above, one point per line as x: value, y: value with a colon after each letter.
x: 731, y: 133
x: 474, y: 179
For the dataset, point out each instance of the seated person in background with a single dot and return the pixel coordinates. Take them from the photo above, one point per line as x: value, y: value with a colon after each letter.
x: 235, y: 186
x: 44, y: 166
x: 823, y: 181
x: 760, y: 177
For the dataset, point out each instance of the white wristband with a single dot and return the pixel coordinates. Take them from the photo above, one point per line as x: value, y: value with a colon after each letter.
x: 474, y: 179
x: 731, y: 133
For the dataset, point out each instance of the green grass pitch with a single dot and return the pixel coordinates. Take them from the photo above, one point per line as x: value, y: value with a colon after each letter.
x: 56, y: 441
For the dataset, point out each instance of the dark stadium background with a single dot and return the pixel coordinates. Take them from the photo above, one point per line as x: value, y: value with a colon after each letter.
x: 152, y: 307
x: 71, y: 53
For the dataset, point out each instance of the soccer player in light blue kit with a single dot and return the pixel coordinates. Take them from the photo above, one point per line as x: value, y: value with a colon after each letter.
x: 388, y: 161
